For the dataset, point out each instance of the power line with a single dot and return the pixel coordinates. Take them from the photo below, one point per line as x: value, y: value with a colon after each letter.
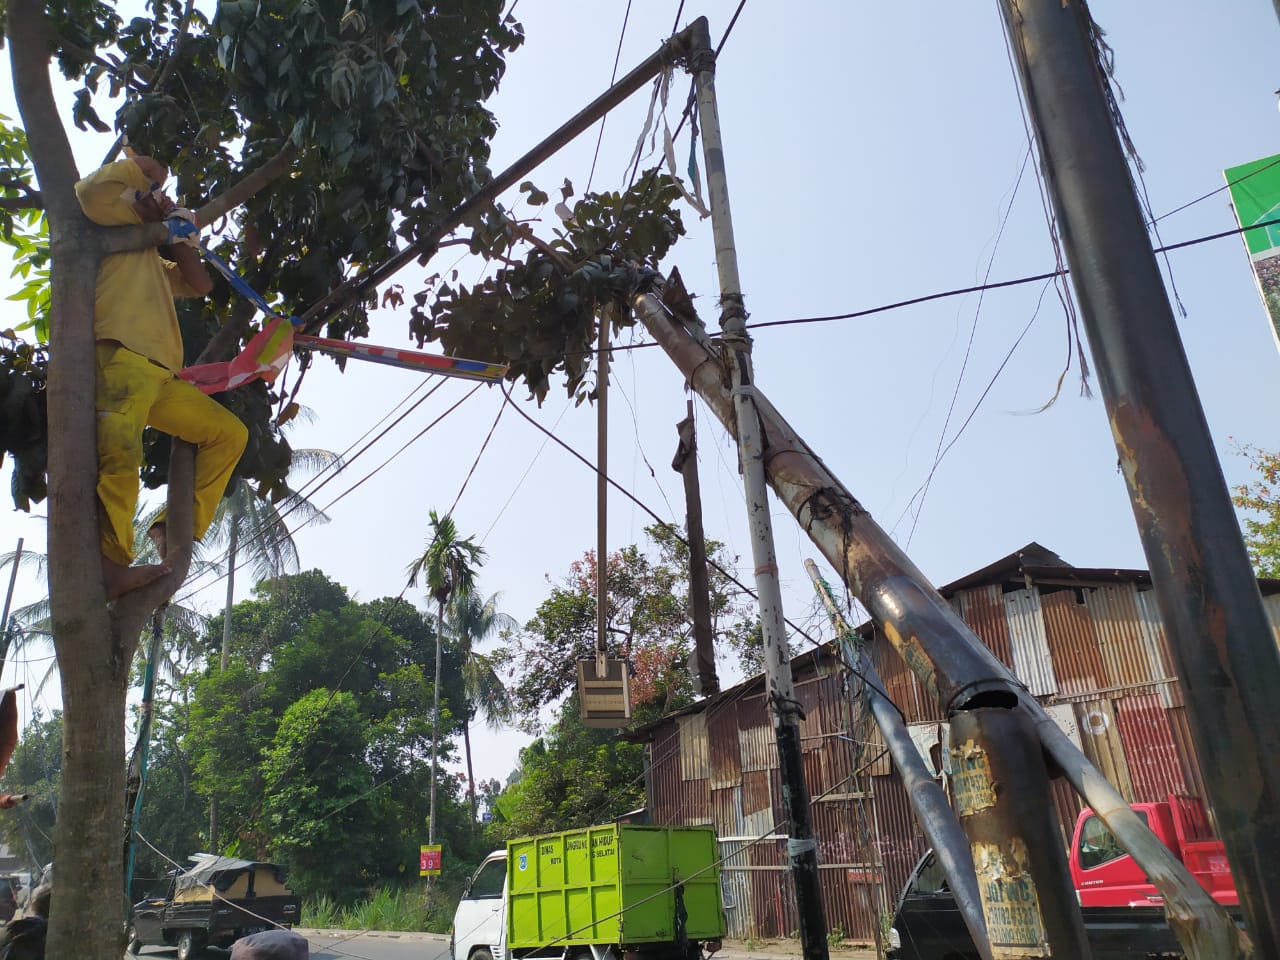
x: 973, y: 330
x: 612, y: 77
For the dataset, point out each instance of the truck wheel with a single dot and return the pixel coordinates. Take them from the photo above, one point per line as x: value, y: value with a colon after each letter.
x: 190, y: 945
x: 134, y: 943
x: 482, y: 953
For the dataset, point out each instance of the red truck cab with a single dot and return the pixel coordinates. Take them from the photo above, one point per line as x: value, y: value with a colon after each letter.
x: 1105, y: 876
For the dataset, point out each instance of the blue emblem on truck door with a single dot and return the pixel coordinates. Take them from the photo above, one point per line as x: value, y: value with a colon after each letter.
x: 524, y: 861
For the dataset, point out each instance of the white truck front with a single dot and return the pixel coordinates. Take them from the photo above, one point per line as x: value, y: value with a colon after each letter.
x: 480, y: 922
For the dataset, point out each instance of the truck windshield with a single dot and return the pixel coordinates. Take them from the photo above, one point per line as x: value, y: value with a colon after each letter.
x: 1098, y: 845
x: 489, y: 881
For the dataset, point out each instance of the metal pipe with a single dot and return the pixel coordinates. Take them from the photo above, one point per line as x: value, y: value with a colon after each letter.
x: 1002, y: 796
x: 928, y: 799
x: 670, y: 52
x: 802, y: 848
x: 602, y: 498
x: 8, y: 601
x: 941, y: 649
x: 1223, y: 649
x: 137, y: 779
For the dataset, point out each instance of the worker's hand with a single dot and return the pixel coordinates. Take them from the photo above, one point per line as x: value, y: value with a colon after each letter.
x: 183, y: 229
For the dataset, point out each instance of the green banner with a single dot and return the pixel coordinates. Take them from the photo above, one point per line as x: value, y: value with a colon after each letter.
x: 1255, y: 195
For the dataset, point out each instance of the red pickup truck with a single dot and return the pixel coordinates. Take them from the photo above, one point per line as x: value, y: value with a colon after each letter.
x: 1105, y: 876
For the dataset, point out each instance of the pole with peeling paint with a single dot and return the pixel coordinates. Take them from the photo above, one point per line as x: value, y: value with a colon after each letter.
x: 1002, y: 796
x: 802, y: 848
x: 928, y: 799
x: 1223, y: 649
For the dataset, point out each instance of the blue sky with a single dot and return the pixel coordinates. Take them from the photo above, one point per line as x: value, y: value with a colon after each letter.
x: 872, y: 153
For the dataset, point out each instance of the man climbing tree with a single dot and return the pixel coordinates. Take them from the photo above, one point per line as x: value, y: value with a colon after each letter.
x: 138, y: 354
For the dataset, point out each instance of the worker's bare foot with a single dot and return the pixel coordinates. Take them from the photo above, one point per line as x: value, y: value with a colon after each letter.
x: 157, y: 533
x: 117, y: 580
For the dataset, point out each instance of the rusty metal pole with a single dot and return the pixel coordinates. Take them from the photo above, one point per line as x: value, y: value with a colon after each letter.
x: 802, y: 848
x: 943, y: 652
x: 928, y: 799
x: 1002, y: 796
x: 1223, y: 649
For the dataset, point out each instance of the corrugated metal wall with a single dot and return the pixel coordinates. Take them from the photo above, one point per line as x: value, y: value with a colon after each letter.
x: 1094, y: 654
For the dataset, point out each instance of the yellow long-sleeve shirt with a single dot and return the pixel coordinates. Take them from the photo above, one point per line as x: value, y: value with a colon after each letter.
x: 135, y: 290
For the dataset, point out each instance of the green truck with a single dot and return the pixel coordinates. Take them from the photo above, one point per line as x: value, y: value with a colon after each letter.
x: 611, y: 892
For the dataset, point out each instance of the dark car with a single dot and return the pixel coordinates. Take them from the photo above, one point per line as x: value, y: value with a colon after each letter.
x: 928, y: 925
x: 9, y: 887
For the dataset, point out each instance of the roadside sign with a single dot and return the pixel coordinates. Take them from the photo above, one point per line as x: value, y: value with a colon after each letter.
x: 430, y: 860
x: 486, y: 817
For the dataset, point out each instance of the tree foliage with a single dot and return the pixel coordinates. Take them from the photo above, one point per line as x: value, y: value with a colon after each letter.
x: 648, y: 620
x: 573, y: 776
x: 314, y: 739
x: 1261, y: 501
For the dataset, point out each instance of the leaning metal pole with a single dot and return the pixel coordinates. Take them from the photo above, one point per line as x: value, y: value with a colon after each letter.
x: 1223, y: 648
x: 928, y: 799
x: 946, y: 656
x: 802, y: 848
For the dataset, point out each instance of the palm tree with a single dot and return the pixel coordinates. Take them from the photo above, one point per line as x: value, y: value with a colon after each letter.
x: 448, y: 567
x: 472, y: 620
x: 30, y: 625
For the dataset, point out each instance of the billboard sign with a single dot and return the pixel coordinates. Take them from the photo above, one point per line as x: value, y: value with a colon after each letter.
x: 1255, y: 196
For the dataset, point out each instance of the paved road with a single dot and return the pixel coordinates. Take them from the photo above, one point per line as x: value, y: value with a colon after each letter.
x: 340, y: 945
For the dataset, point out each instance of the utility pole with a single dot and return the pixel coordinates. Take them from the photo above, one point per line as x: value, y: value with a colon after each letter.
x: 703, y: 665
x: 946, y: 656
x: 802, y: 848
x: 1222, y: 645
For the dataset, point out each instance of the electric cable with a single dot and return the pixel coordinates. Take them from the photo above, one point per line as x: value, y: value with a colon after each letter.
x: 838, y: 656
x: 308, y: 489
x: 973, y: 330
x: 991, y: 383
x: 617, y: 57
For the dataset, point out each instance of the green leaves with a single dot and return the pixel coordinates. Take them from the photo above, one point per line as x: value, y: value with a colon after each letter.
x: 538, y: 316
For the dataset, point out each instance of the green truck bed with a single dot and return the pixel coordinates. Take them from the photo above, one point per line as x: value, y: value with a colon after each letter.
x: 616, y: 883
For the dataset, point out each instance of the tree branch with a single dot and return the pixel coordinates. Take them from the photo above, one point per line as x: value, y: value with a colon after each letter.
x: 32, y: 201
x: 246, y: 188
x: 127, y: 239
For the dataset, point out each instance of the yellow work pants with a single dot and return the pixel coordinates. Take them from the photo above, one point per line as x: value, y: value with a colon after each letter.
x: 132, y: 393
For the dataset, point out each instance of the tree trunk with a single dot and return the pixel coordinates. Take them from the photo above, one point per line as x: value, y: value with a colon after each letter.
x: 435, y: 741
x: 87, y: 898
x: 471, y: 777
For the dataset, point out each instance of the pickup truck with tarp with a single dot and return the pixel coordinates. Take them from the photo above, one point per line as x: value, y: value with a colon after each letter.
x: 212, y: 904
x: 1123, y: 912
x: 611, y: 892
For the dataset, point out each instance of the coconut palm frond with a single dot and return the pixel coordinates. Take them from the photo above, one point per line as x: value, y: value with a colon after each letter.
x: 311, y: 460
x: 37, y: 563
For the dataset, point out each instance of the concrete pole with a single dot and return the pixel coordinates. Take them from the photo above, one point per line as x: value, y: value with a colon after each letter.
x: 1223, y: 649
x: 802, y: 848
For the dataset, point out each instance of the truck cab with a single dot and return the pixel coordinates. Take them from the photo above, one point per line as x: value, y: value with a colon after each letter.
x: 1105, y: 876
x: 480, y: 922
